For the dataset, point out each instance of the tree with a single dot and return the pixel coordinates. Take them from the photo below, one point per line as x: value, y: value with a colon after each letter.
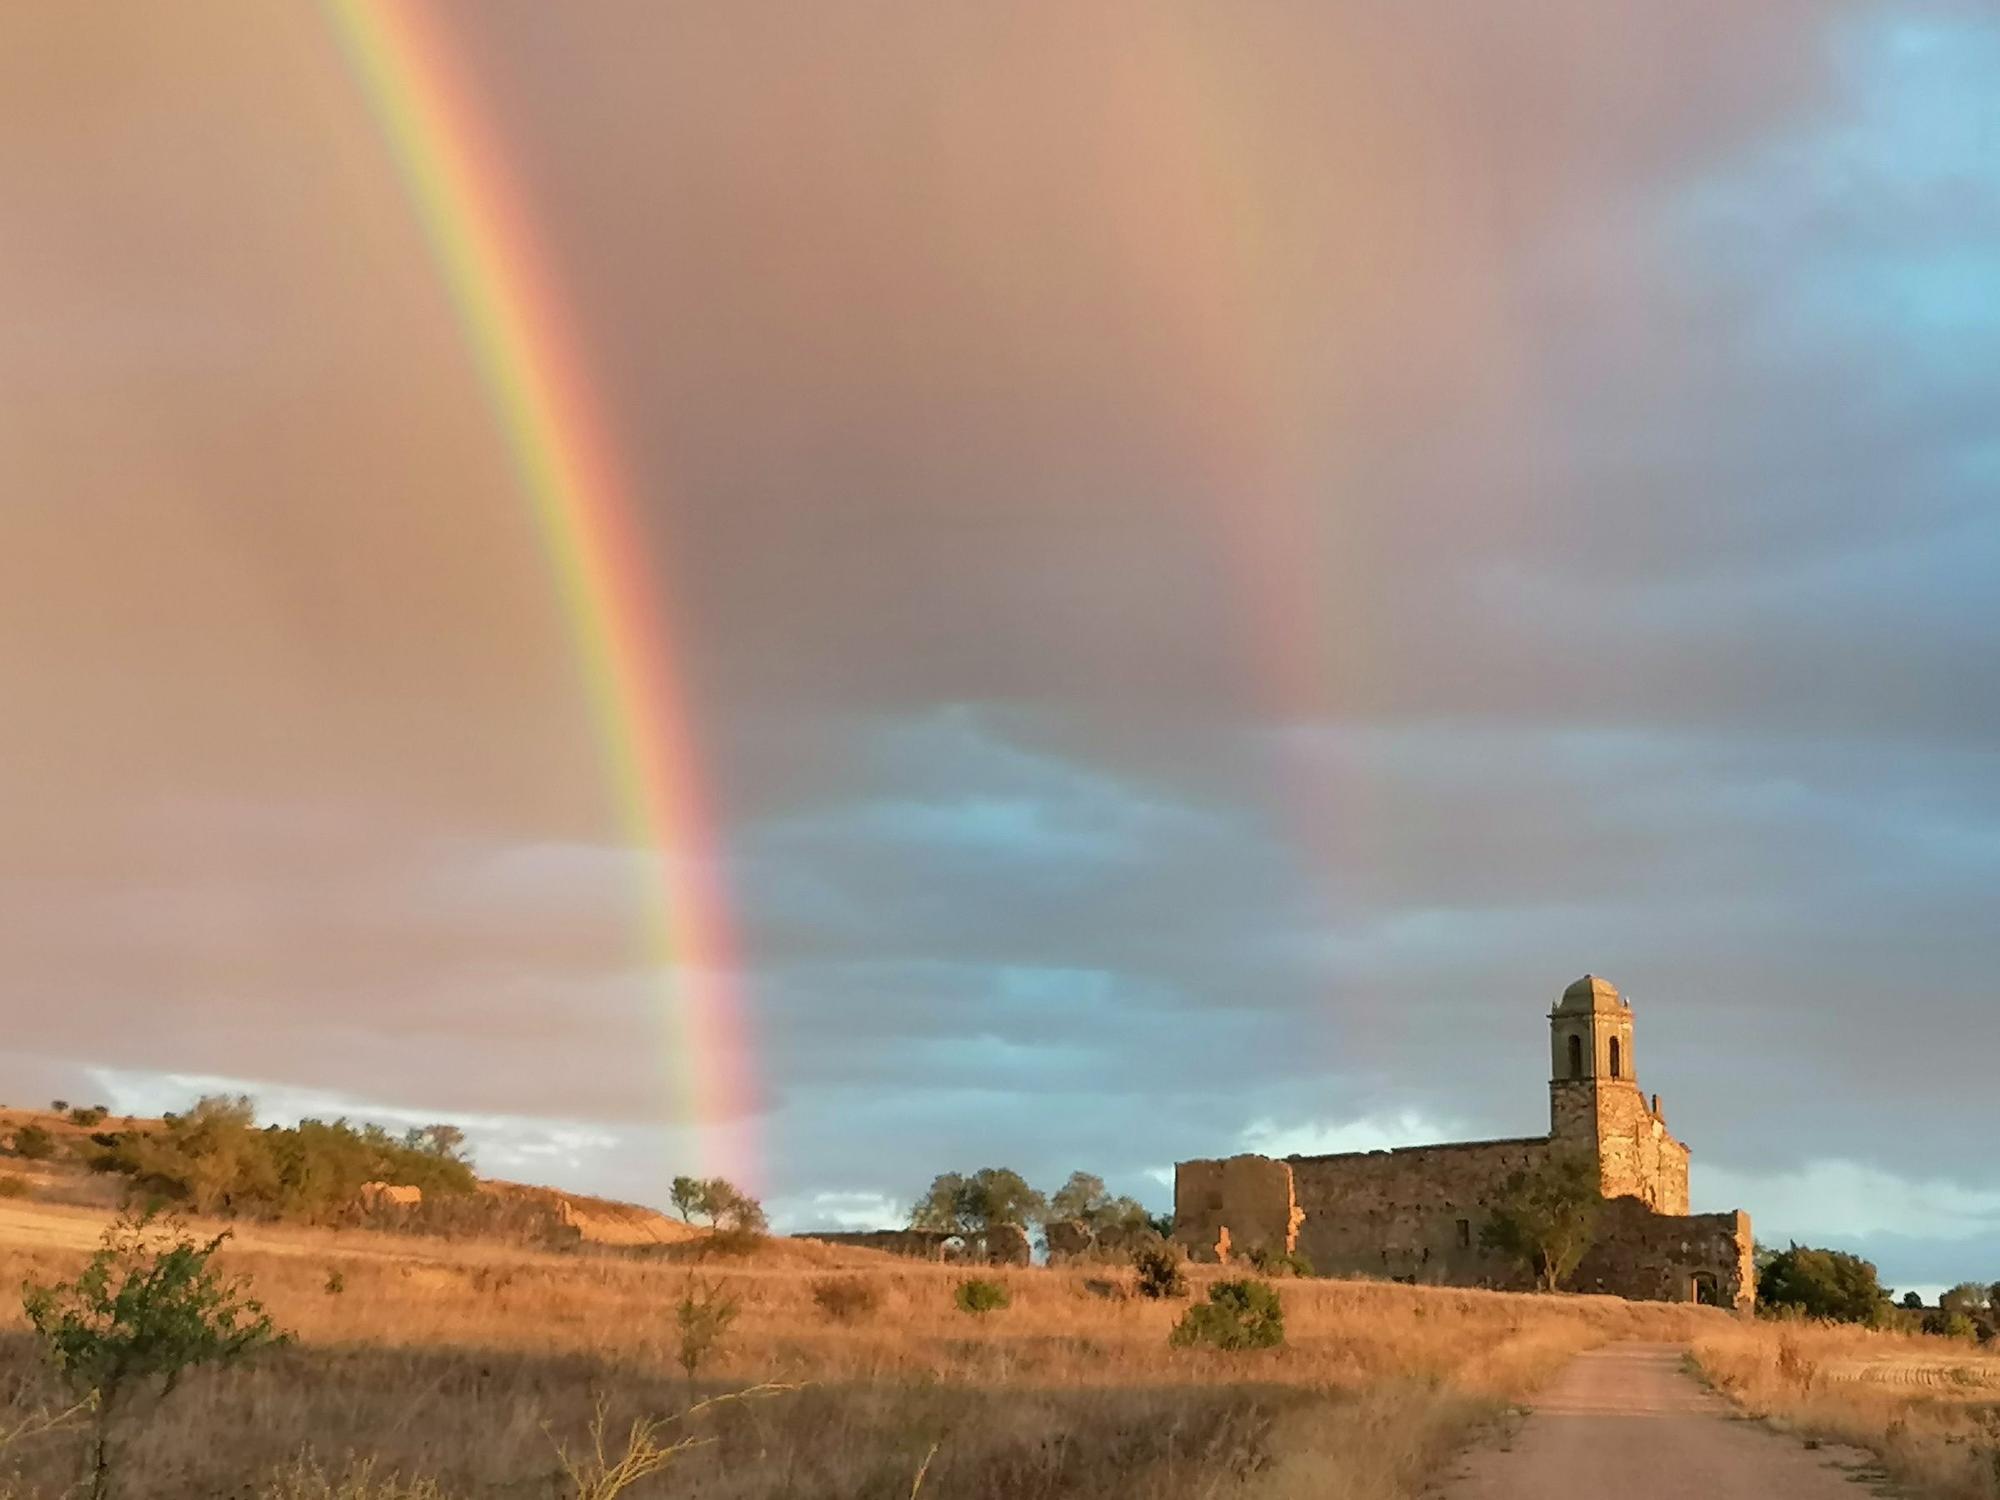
x: 214, y: 1159
x: 1913, y: 1301
x: 1085, y: 1200
x: 443, y: 1142
x: 721, y: 1202
x: 1547, y: 1218
x: 1079, y: 1198
x: 990, y: 1197
x: 1826, y: 1284
x: 148, y: 1307
x: 732, y: 1209
x: 1968, y: 1297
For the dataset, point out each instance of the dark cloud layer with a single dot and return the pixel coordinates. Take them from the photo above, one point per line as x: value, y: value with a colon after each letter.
x: 1222, y: 556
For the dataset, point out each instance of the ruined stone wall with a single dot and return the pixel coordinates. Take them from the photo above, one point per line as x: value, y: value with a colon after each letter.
x: 1665, y: 1258
x: 1417, y: 1214
x: 1637, y: 1156
x: 1227, y: 1209
x: 920, y: 1244
x: 1413, y: 1214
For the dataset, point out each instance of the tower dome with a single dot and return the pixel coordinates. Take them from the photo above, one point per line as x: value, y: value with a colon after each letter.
x: 1590, y: 995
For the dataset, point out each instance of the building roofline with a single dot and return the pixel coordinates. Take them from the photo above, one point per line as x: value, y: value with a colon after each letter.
x: 1512, y: 1140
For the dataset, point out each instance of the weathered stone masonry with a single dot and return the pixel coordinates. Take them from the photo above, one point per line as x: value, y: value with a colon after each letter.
x: 1416, y: 1214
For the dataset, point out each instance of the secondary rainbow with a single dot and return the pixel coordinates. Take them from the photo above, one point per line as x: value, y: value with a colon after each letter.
x: 524, y: 346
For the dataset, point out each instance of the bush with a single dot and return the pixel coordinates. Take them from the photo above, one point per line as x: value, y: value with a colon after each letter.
x: 87, y: 1117
x: 979, y: 1297
x: 1951, y: 1325
x: 1237, y: 1315
x: 214, y: 1159
x: 1159, y: 1271
x: 147, y: 1308
x: 1280, y: 1263
x: 846, y: 1299
x: 13, y: 1187
x: 701, y: 1318
x: 727, y: 1244
x: 1825, y: 1284
x: 32, y: 1143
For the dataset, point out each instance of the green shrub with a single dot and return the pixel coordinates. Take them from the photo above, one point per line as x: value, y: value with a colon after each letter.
x: 1951, y: 1325
x: 1280, y: 1263
x: 214, y: 1159
x: 1237, y: 1315
x: 148, y: 1307
x: 32, y: 1143
x: 1159, y: 1271
x: 701, y: 1318
x: 978, y: 1296
x: 846, y: 1299
x: 1825, y: 1284
x: 726, y: 1244
x: 14, y: 1187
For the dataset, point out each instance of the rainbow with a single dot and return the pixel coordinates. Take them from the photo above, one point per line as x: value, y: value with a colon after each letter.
x: 524, y: 346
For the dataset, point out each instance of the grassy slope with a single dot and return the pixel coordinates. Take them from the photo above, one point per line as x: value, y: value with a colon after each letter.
x: 450, y: 1360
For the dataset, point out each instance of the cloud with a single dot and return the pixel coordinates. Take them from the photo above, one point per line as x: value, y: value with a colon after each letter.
x: 1326, y: 1138
x: 1834, y: 1201
x: 1203, y: 595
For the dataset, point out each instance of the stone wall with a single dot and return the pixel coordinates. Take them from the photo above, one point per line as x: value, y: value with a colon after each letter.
x: 1411, y: 1215
x: 1002, y: 1245
x: 1637, y: 1156
x: 1668, y: 1258
x: 920, y: 1244
x: 1416, y: 1215
x: 1640, y: 1160
x: 1229, y: 1208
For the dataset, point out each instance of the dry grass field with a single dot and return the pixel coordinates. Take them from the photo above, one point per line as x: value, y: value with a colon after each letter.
x: 466, y: 1365
x: 1928, y: 1407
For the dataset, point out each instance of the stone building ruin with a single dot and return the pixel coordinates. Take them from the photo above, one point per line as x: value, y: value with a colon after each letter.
x: 1415, y: 1214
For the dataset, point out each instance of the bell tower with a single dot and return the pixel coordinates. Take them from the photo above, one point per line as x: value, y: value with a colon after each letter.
x: 1591, y: 1030
x: 1595, y: 1107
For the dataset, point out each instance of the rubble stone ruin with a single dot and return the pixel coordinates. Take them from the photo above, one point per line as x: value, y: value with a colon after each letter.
x: 1416, y: 1214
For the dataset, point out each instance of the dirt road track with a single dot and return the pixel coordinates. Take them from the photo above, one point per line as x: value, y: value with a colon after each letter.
x: 1629, y: 1421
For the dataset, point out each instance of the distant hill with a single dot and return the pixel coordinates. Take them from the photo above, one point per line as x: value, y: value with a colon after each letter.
x: 48, y: 1156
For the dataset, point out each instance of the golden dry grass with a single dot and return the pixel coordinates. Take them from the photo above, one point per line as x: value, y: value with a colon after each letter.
x: 1928, y: 1407
x: 464, y: 1365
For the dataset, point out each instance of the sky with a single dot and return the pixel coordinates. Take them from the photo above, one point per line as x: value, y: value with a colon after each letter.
x: 1219, y: 555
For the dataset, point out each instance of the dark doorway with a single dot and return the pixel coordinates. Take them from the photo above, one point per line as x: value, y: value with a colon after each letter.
x: 1576, y: 1057
x: 1616, y: 1060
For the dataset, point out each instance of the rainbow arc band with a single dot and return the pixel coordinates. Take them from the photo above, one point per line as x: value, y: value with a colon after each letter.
x: 523, y: 345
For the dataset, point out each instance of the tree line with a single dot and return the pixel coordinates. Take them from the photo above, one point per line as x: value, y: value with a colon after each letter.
x: 974, y: 1203
x: 216, y: 1159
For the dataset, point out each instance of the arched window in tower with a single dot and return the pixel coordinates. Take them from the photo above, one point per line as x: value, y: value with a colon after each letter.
x: 1576, y: 1057
x: 1616, y: 1070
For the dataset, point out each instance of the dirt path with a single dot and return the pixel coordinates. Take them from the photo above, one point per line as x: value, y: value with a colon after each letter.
x: 1629, y: 1421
